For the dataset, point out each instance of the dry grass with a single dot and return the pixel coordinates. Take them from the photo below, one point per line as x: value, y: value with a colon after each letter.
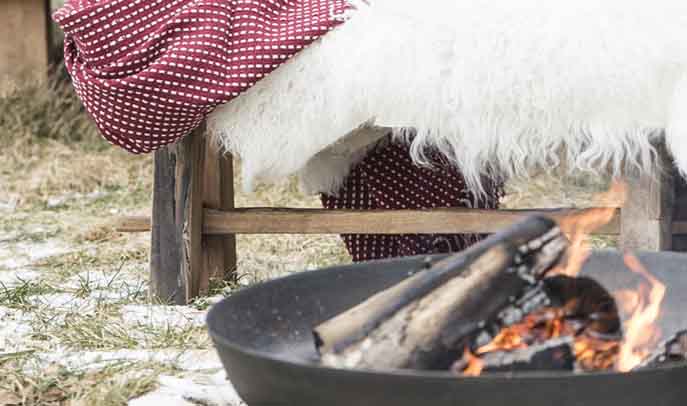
x: 28, y: 383
x: 64, y: 184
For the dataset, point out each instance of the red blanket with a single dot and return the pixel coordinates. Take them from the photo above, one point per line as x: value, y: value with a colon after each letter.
x: 149, y: 71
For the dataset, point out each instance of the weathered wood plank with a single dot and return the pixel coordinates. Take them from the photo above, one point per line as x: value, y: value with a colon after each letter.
x: 421, y: 321
x: 176, y: 260
x: 647, y: 216
x: 219, y: 251
x: 190, y: 164
x: 24, y: 31
x: 228, y: 203
x: 141, y: 224
x: 166, y: 283
x: 319, y: 221
x: 133, y: 224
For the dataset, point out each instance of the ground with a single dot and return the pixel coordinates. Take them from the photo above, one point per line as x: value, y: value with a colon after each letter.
x: 77, y: 326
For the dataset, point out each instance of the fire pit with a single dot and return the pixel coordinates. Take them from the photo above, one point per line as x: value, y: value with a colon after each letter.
x: 264, y: 337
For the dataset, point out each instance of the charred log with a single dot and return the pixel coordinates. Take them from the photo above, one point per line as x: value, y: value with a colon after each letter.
x: 585, y: 300
x: 553, y: 355
x: 425, y: 321
x: 673, y: 350
x: 580, y: 309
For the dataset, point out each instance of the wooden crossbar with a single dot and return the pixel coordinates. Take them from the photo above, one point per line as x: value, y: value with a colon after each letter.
x: 194, y: 221
x: 320, y: 221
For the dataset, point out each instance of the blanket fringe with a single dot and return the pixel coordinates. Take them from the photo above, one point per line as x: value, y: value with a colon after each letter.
x: 499, y: 87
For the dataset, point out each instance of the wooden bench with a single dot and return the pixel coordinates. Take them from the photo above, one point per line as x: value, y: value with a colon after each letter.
x: 25, y: 33
x: 194, y: 221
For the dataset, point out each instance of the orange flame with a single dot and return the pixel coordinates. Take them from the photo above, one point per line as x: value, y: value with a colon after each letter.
x: 475, y: 364
x: 580, y: 225
x: 641, y: 332
x: 591, y: 351
x: 595, y: 354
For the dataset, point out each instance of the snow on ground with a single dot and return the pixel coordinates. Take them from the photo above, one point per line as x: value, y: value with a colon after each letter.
x: 162, y: 316
x: 25, y: 298
x: 188, y: 361
x: 16, y: 276
x: 14, y: 329
x: 210, y: 390
x: 21, y: 254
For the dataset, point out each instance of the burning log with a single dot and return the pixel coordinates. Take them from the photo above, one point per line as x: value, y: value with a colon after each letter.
x: 581, y: 310
x: 675, y: 350
x: 585, y: 299
x: 556, y: 354
x: 426, y: 321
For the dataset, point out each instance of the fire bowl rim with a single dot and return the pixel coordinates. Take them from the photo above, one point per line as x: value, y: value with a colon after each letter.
x: 220, y: 340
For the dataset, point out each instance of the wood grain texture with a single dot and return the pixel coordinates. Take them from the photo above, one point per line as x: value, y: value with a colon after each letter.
x: 647, y: 216
x: 141, y: 224
x: 219, y: 251
x: 165, y: 254
x: 24, y: 38
x: 133, y: 224
x: 176, y: 260
x: 320, y: 221
x: 190, y: 164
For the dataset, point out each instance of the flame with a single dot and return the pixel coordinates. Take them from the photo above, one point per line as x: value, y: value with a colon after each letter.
x: 641, y: 332
x: 508, y: 339
x: 475, y: 364
x: 596, y: 354
x: 627, y: 300
x: 546, y: 324
x: 593, y: 351
x: 579, y: 226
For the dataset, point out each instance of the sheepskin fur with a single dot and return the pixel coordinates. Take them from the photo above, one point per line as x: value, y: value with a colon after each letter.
x: 493, y: 84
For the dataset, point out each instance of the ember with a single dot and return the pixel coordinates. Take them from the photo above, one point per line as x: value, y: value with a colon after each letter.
x: 515, y: 302
x: 599, y: 342
x: 592, y: 351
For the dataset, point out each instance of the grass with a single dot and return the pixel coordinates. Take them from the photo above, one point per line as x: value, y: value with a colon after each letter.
x: 19, y: 296
x: 27, y: 383
x: 50, y: 151
x: 68, y: 162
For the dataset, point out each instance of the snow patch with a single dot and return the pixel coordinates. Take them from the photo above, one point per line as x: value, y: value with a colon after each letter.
x: 15, y: 327
x: 13, y: 278
x: 214, y: 390
x: 24, y: 254
x: 63, y: 200
x: 63, y: 301
x: 158, y: 316
x: 9, y: 205
x: 109, y: 287
x: 192, y: 360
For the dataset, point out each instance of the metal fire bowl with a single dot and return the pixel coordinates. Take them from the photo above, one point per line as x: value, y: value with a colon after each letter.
x: 263, y: 335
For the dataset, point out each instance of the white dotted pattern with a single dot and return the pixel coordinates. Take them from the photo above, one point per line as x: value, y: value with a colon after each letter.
x: 388, y: 179
x: 149, y: 71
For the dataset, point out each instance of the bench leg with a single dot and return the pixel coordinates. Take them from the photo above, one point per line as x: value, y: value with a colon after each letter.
x: 189, y: 177
x: 219, y: 251
x: 647, y: 216
x: 176, y: 250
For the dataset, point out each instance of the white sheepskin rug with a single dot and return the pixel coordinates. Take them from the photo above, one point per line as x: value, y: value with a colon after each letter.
x: 510, y: 85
